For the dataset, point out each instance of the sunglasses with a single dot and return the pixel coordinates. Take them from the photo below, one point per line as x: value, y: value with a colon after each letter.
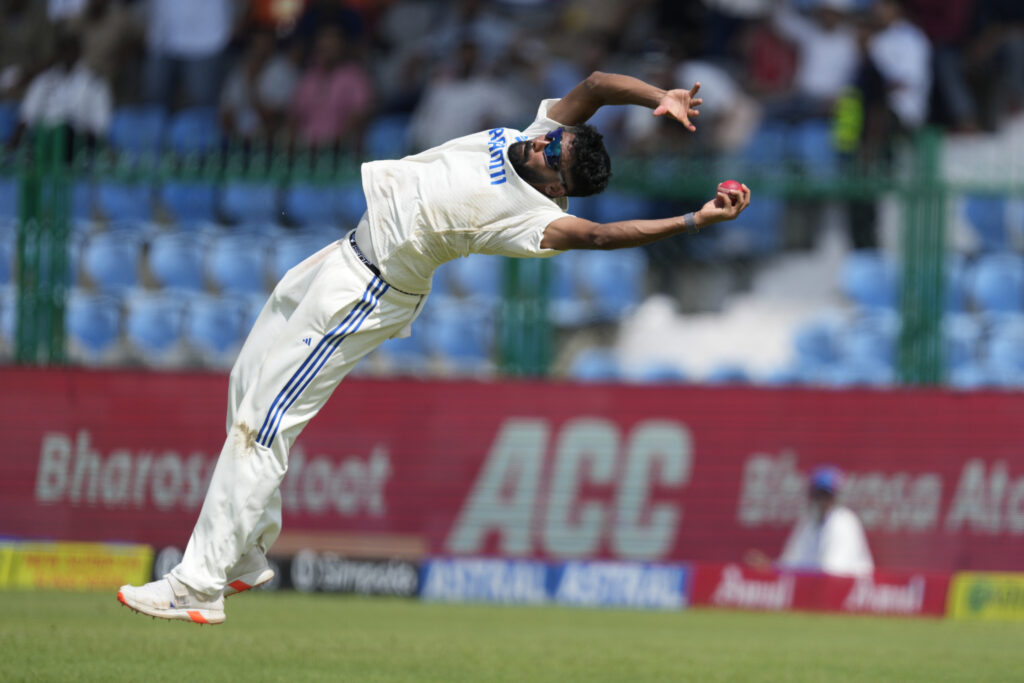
x: 553, y: 152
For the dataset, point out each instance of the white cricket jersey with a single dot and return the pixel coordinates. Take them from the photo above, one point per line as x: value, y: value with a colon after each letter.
x: 460, y: 198
x: 835, y: 546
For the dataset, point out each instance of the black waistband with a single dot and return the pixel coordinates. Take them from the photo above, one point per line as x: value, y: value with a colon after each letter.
x: 369, y: 264
x: 362, y: 257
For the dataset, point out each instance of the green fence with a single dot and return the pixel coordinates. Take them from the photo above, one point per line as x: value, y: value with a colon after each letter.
x: 48, y: 165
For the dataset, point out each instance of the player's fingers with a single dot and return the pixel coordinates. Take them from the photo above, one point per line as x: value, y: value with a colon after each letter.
x: 697, y: 102
x: 695, y: 88
x: 693, y: 112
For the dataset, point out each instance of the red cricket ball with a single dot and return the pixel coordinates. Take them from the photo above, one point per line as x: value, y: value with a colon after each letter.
x: 727, y: 186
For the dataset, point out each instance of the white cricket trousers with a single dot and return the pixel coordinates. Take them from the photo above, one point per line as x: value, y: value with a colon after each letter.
x: 321, y: 319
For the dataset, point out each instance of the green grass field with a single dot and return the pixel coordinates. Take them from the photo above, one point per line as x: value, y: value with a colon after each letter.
x: 294, y: 637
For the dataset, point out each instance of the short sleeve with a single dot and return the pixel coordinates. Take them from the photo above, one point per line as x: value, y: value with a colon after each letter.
x: 542, y: 124
x: 520, y: 238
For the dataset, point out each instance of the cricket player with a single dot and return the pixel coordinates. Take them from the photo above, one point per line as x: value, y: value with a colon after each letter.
x: 499, y: 191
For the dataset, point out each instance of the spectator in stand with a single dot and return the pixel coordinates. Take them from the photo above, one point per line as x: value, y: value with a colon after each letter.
x: 472, y: 21
x: 108, y: 31
x: 828, y: 537
x: 186, y: 45
x: 26, y: 45
x: 280, y: 17
x: 256, y: 96
x: 896, y: 78
x: 893, y: 87
x: 333, y: 98
x: 827, y: 57
x: 949, y: 26
x: 68, y: 94
x: 336, y: 13
x: 996, y: 56
x: 64, y: 10
x: 460, y: 99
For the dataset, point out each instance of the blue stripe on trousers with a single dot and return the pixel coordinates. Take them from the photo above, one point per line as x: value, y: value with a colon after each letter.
x: 292, y: 388
x: 334, y: 344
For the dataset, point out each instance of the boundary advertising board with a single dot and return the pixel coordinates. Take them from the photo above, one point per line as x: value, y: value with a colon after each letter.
x: 544, y: 471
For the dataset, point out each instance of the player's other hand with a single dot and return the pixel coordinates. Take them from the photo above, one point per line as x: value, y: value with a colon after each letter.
x: 726, y: 205
x: 681, y: 105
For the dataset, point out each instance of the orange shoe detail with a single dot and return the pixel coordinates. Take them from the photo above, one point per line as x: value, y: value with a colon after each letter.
x: 120, y: 598
x: 240, y: 585
x: 196, y: 616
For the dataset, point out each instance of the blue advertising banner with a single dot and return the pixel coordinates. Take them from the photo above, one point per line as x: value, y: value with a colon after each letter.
x: 583, y: 584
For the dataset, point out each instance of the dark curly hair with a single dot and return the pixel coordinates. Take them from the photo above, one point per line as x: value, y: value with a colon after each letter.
x: 591, y: 166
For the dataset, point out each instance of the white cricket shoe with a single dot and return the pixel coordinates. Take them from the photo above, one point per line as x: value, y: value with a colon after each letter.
x: 168, y: 598
x: 249, y: 572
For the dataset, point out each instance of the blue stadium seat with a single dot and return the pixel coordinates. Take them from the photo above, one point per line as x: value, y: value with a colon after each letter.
x: 955, y: 294
x: 387, y: 137
x: 995, y: 283
x: 615, y: 281
x: 8, y: 120
x: 250, y: 202
x: 811, y: 143
x: 8, y: 248
x: 462, y: 333
x: 616, y: 206
x: 8, y: 316
x: 817, y: 341
x: 8, y: 197
x: 407, y: 355
x: 869, y: 279
x: 595, y: 365
x: 962, y: 336
x: 153, y: 326
x: 871, y: 337
x: 214, y: 328
x: 82, y: 200
x: 189, y: 203
x: 657, y: 372
x: 236, y: 262
x: 93, y: 326
x: 138, y: 129
x: 351, y: 204
x: 175, y: 259
x: 1004, y: 350
x: 786, y: 375
x: 987, y: 217
x: 767, y: 145
x: 111, y: 259
x: 970, y: 376
x: 125, y: 201
x: 757, y: 231
x: 728, y: 373
x: 567, y: 306
x: 252, y: 306
x: 291, y: 249
x: 195, y: 129
x: 866, y: 374
x: 585, y: 207
x: 477, y: 276
x: 309, y: 204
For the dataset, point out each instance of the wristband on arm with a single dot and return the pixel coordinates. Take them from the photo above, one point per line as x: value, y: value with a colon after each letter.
x: 690, y: 224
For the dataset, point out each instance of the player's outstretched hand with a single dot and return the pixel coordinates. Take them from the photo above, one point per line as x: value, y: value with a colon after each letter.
x: 681, y: 105
x: 727, y: 204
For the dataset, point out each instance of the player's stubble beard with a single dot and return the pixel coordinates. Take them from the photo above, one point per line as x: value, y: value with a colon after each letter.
x: 517, y: 157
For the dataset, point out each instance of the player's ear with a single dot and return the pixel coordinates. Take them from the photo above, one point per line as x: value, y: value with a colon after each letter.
x: 554, y: 190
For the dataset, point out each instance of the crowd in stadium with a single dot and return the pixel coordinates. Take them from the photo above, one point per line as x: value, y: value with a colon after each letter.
x: 317, y: 71
x: 821, y: 80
